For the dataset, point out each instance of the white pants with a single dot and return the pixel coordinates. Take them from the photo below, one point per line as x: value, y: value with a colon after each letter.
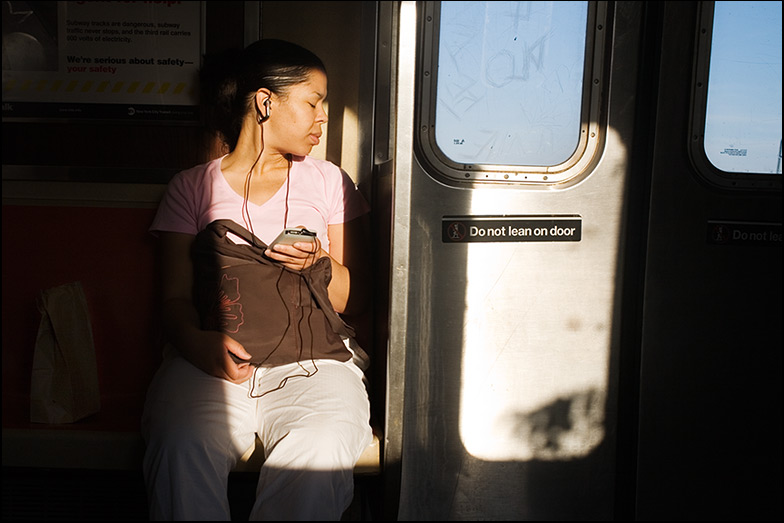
x: 197, y: 426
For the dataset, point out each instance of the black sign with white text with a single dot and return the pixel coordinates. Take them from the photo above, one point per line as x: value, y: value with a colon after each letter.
x: 469, y: 229
x: 743, y: 233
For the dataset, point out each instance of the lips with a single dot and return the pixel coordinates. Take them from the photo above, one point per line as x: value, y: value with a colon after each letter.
x: 314, y: 138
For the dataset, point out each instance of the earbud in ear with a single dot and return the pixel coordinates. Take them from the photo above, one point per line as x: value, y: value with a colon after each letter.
x: 261, y: 118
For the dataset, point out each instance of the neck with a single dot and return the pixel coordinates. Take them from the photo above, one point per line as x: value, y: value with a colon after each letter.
x: 245, y: 157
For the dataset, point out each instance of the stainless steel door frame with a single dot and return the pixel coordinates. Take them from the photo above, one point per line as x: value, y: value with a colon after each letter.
x: 548, y: 313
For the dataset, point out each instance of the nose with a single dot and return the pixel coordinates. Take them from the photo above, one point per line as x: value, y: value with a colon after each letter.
x: 322, y: 117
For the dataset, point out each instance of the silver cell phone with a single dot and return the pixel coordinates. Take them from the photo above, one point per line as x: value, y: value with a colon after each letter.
x: 291, y: 236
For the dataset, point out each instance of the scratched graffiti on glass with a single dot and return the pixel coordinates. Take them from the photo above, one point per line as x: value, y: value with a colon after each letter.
x: 510, y: 81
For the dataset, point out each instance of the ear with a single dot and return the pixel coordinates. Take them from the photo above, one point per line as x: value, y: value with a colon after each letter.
x: 263, y: 97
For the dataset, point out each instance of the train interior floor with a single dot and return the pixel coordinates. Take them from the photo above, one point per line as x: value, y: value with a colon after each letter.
x: 37, y: 494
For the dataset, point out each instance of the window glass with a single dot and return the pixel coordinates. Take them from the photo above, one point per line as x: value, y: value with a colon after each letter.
x: 743, y: 112
x: 510, y: 82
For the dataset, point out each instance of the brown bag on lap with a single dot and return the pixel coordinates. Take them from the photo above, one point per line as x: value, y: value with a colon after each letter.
x: 279, y: 315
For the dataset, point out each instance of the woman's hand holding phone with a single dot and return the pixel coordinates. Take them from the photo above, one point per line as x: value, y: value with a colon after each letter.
x: 295, y: 248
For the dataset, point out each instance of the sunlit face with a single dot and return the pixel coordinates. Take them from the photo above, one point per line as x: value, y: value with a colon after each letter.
x: 295, y: 120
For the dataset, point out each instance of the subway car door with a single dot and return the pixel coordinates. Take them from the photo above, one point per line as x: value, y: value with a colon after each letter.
x: 513, y: 126
x: 571, y: 334
x: 710, y: 372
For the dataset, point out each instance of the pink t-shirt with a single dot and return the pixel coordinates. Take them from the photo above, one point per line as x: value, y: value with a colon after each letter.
x: 317, y: 193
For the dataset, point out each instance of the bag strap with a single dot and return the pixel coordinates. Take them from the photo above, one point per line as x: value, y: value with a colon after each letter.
x: 320, y: 293
x: 214, y: 238
x: 223, y: 226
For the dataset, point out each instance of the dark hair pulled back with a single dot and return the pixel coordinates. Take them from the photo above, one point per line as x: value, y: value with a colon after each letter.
x: 230, y: 80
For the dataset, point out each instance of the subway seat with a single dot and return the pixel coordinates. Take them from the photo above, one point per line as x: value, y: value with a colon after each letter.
x: 120, y: 450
